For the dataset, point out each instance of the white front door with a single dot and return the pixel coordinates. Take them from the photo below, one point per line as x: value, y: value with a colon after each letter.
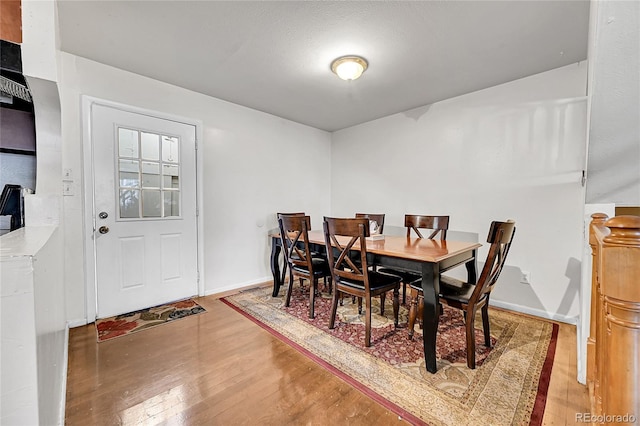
x: 144, y: 190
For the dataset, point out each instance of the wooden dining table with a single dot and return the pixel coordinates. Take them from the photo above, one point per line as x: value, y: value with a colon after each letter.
x: 428, y: 258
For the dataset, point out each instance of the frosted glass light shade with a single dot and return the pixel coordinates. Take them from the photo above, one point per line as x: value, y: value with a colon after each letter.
x: 349, y: 67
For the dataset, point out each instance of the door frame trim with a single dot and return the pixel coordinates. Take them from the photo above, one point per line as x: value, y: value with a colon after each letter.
x: 88, y: 201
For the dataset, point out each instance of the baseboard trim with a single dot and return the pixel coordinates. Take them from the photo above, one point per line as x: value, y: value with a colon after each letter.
x: 77, y: 323
x: 63, y: 384
x: 227, y: 290
x: 535, y: 312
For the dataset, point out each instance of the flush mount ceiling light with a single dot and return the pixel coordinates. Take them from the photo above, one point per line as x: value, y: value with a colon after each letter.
x: 349, y: 67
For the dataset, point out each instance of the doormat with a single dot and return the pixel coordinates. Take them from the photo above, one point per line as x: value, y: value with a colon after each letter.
x: 124, y: 324
x: 509, y: 386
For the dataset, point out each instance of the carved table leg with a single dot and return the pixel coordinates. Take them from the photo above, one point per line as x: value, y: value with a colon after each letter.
x: 430, y: 318
x: 471, y: 266
x: 278, y: 279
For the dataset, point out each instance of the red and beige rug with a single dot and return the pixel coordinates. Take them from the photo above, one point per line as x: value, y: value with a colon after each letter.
x: 124, y: 324
x: 508, y: 387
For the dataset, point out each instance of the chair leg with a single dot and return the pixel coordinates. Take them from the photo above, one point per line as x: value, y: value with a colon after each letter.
x: 404, y: 293
x: 485, y: 325
x: 367, y: 322
x: 383, y: 298
x: 284, y: 272
x: 413, y: 310
x: 312, y: 296
x: 289, y: 289
x: 396, y: 306
x: 471, y: 340
x: 327, y: 284
x: 334, y: 309
x: 360, y: 305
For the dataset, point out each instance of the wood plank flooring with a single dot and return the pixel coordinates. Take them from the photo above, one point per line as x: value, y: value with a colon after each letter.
x: 219, y: 368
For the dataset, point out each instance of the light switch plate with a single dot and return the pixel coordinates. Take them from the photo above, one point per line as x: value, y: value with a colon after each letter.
x: 67, y: 188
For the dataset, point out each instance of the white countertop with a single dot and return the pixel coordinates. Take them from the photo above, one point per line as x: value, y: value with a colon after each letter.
x: 25, y: 241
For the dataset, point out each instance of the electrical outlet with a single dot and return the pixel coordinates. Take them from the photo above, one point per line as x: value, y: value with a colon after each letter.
x: 526, y: 277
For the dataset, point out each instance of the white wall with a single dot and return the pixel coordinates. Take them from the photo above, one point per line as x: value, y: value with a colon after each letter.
x: 18, y: 353
x: 614, y: 138
x: 37, y: 290
x: 513, y: 151
x: 51, y: 329
x: 39, y: 39
x: 255, y: 164
x: 33, y: 353
x: 41, y: 73
x: 44, y: 207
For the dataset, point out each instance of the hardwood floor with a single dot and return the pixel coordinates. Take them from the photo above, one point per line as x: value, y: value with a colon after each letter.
x: 194, y: 372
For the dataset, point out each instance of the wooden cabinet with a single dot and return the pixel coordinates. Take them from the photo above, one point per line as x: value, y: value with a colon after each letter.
x: 613, y: 347
x: 11, y: 20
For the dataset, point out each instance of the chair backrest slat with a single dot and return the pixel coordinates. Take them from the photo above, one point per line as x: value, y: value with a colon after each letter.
x: 439, y: 224
x: 279, y: 215
x: 500, y: 237
x: 295, y: 239
x: 342, y: 265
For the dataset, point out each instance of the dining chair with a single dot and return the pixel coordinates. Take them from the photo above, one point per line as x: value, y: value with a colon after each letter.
x: 342, y: 237
x: 285, y: 266
x: 301, y: 261
x: 468, y: 296
x: 291, y: 214
x: 414, y: 223
x: 378, y: 218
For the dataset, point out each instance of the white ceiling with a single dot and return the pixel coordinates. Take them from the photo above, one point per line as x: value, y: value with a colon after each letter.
x: 275, y: 56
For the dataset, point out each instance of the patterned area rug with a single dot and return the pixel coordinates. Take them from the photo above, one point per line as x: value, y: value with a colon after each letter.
x: 124, y: 324
x: 508, y: 386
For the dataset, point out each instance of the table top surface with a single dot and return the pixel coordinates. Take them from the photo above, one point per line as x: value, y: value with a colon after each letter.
x: 421, y: 249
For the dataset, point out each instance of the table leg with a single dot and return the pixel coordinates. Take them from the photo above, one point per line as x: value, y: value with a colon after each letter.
x: 472, y: 268
x: 430, y: 317
x: 275, y: 265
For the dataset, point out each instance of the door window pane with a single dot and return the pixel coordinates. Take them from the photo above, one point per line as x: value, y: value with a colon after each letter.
x: 129, y: 173
x: 150, y: 146
x: 151, y: 204
x: 128, y: 143
x: 171, y: 203
x: 170, y: 177
x: 170, y: 150
x: 129, y: 203
x: 150, y: 175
